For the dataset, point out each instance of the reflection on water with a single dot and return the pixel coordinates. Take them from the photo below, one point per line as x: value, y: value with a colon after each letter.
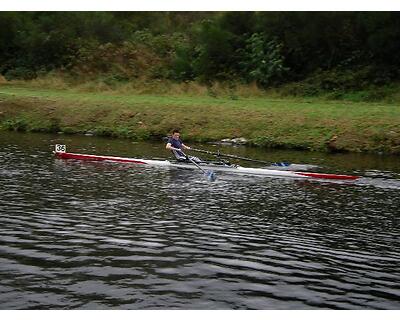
x: 101, y: 235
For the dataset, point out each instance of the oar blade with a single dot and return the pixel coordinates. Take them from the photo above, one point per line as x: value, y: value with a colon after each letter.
x: 281, y: 164
x: 211, y: 176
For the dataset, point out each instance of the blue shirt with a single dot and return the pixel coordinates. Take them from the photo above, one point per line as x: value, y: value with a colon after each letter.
x: 176, y: 144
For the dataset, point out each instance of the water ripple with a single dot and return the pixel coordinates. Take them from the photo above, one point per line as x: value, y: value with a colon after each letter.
x: 95, y: 236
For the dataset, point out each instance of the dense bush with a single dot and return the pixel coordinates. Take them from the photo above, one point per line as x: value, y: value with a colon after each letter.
x: 262, y: 60
x: 332, y: 50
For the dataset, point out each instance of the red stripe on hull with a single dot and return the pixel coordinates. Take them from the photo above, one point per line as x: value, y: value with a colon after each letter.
x: 327, y: 176
x: 67, y: 155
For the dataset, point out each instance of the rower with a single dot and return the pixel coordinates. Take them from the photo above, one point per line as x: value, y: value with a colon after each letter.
x: 176, y: 145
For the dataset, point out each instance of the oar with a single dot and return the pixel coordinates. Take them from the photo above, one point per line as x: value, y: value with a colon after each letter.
x: 218, y: 154
x: 209, y: 174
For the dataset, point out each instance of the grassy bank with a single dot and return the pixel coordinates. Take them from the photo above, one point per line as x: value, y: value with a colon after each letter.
x: 307, y: 124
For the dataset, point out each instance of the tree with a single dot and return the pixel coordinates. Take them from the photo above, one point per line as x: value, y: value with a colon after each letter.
x: 262, y: 60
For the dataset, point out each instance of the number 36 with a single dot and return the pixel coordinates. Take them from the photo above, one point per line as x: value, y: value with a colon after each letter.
x: 60, y: 148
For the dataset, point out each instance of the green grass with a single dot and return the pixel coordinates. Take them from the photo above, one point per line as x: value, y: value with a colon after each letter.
x: 286, y: 123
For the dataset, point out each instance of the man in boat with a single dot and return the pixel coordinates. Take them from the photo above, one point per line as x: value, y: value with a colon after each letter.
x: 176, y: 145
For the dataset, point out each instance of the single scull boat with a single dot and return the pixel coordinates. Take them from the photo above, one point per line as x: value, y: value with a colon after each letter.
x: 62, y: 154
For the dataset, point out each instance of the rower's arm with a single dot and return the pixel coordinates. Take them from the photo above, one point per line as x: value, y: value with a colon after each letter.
x: 170, y: 147
x: 185, y: 146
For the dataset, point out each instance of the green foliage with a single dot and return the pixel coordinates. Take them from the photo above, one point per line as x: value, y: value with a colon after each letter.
x: 182, y: 64
x: 213, y: 52
x: 18, y: 124
x: 18, y: 73
x: 268, y: 48
x: 340, y: 83
x: 262, y: 60
x: 103, y: 131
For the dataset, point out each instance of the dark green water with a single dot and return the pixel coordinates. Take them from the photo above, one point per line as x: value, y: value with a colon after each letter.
x: 81, y: 235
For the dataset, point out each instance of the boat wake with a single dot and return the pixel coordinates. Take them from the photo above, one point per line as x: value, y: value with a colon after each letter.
x: 384, y: 183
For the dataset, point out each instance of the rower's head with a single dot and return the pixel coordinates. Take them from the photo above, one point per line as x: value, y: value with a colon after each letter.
x: 176, y: 134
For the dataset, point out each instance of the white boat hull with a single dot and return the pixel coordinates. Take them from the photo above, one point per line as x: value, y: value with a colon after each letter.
x: 206, y: 166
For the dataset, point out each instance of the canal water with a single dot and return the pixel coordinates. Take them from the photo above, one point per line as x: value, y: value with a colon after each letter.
x: 85, y: 235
